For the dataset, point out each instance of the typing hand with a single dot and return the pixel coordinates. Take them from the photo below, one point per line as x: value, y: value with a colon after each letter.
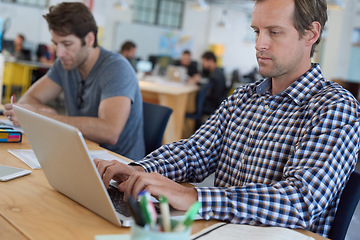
x: 114, y: 170
x: 179, y: 197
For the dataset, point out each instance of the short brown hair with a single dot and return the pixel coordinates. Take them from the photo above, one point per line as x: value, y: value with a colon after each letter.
x: 127, y: 46
x: 305, y: 13
x: 209, y: 56
x: 72, y: 18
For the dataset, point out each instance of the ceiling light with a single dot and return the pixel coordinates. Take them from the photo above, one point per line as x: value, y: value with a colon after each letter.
x: 200, y: 5
x: 121, y: 5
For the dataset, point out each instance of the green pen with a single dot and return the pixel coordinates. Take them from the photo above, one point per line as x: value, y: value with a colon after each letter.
x: 188, y: 218
x: 165, y: 214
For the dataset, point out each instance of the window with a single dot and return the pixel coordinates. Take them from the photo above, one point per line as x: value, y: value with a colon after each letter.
x: 167, y: 13
x: 35, y: 3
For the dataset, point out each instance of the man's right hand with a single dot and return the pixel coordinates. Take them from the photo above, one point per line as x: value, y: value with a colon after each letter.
x: 9, y: 113
x: 116, y: 170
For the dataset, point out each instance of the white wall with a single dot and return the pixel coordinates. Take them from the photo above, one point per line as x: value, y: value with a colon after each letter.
x: 337, y: 43
x: 239, y: 51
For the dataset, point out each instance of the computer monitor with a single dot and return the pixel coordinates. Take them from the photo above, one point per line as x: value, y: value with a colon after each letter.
x: 144, y: 66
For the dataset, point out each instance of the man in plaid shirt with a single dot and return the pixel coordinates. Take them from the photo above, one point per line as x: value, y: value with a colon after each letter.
x: 282, y: 148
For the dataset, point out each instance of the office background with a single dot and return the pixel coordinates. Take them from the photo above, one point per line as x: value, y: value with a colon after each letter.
x: 199, y: 30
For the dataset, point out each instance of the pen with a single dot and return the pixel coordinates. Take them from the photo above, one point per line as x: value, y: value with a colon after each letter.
x: 188, y: 218
x: 12, y: 98
x: 135, y: 211
x: 165, y: 214
x: 148, y: 209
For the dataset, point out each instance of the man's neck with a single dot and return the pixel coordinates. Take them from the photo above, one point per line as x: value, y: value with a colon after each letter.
x: 280, y: 83
x: 88, y: 65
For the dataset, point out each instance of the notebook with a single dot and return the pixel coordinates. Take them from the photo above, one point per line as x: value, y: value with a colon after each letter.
x: 64, y: 157
x: 239, y: 231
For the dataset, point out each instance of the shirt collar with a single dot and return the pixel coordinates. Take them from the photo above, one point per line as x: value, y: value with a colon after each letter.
x: 298, y: 91
x: 303, y: 88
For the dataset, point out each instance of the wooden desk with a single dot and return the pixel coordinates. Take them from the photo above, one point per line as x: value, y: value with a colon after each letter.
x: 173, y: 95
x: 31, y: 209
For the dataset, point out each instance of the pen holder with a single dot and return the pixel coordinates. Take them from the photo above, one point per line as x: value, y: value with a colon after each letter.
x: 141, y: 233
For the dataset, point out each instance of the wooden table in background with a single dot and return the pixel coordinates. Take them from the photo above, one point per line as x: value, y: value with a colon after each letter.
x: 176, y: 96
x: 19, y: 73
x: 31, y: 209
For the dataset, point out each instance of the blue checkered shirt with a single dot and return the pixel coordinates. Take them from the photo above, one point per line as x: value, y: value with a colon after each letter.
x: 279, y: 160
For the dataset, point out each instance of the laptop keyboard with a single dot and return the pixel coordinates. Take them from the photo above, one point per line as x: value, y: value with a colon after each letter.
x: 120, y: 205
x: 117, y: 199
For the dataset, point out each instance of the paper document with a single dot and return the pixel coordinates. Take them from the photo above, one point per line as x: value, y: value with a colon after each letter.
x: 8, y: 123
x: 28, y: 156
x: 113, y: 237
x: 238, y: 231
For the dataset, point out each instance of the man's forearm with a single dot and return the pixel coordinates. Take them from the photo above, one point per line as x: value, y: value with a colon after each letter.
x: 36, y: 104
x: 94, y: 129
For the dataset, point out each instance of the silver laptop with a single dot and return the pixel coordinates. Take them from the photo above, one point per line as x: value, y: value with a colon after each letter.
x: 176, y: 74
x: 64, y: 157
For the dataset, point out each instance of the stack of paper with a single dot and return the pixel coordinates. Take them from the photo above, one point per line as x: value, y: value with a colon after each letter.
x: 28, y: 156
x: 238, y: 231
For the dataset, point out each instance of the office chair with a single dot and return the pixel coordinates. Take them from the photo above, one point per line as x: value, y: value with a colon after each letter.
x: 349, y: 199
x: 200, y: 100
x: 155, y: 120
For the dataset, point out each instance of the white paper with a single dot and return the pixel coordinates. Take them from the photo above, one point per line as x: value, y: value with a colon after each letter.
x: 28, y: 156
x: 8, y: 123
x: 238, y: 231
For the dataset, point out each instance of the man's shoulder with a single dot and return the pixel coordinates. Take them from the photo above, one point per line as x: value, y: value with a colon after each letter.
x: 111, y: 62
x: 333, y: 97
x: 107, y: 56
x: 333, y: 92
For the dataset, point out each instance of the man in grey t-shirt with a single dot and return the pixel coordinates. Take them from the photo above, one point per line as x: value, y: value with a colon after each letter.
x: 102, y: 95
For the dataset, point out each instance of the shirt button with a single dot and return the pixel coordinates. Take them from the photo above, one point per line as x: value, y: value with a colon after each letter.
x: 252, y: 223
x: 266, y: 107
x: 211, y: 214
x: 252, y: 132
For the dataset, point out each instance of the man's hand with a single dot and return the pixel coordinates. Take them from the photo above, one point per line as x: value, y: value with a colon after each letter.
x: 9, y: 112
x: 134, y: 179
x: 115, y: 170
x: 179, y: 197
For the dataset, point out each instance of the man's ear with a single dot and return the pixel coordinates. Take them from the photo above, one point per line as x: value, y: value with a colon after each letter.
x: 313, y: 34
x: 90, y: 39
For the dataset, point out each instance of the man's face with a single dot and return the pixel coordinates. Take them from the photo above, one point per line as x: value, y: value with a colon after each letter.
x: 70, y: 50
x: 279, y: 48
x: 185, y: 59
x: 18, y: 42
x: 130, y: 53
x: 206, y: 64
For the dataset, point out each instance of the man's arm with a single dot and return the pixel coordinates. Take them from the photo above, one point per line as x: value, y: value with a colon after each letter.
x: 106, y: 129
x: 41, y: 92
x: 113, y: 112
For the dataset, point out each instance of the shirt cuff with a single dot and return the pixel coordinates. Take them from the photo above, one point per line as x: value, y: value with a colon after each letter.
x: 148, y: 165
x: 212, y: 202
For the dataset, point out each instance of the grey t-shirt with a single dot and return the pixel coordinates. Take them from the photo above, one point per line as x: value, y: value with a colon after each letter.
x: 111, y: 76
